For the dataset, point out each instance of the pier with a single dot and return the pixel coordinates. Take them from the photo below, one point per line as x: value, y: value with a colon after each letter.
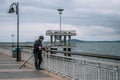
x: 9, y: 69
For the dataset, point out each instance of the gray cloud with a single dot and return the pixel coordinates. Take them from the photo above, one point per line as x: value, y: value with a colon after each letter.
x: 86, y: 15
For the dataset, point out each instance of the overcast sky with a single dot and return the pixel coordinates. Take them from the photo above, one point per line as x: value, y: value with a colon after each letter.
x: 93, y: 20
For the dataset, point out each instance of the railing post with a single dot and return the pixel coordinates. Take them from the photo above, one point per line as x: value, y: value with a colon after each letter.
x: 116, y: 70
x: 65, y: 66
x: 73, y: 70
x: 49, y: 62
x: 99, y: 72
x: 64, y: 62
x: 84, y: 70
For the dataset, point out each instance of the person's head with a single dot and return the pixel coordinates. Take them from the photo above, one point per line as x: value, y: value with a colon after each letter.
x: 41, y: 38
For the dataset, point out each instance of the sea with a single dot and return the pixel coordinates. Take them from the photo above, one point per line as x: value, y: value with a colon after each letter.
x: 99, y: 47
x: 93, y: 47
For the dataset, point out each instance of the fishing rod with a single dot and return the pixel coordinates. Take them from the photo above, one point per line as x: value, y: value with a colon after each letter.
x: 32, y: 56
x: 25, y: 62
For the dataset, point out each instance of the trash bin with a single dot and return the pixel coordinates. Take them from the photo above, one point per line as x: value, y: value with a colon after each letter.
x: 14, y: 55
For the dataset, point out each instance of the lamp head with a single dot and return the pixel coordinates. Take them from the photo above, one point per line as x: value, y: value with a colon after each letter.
x: 60, y: 9
x: 11, y: 10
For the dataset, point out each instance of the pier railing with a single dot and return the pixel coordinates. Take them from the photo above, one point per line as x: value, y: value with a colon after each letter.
x: 78, y: 68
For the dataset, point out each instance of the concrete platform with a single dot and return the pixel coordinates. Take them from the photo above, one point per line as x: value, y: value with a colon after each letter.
x: 9, y: 70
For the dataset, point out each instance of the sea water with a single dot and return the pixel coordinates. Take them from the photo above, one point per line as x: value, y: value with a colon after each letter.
x: 98, y: 47
x: 107, y: 48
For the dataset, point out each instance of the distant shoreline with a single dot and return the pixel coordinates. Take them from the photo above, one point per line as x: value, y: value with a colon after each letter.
x: 73, y: 40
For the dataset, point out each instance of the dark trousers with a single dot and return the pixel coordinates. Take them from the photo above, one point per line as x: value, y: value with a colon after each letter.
x: 38, y: 59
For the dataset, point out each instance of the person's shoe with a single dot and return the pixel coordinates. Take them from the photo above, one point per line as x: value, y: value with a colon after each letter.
x: 41, y: 69
x: 37, y: 68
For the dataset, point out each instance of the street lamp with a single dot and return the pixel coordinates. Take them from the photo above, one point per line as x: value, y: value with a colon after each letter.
x: 60, y: 12
x: 12, y: 10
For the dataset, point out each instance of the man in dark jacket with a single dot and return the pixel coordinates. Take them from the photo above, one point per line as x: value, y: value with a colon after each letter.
x: 38, y: 52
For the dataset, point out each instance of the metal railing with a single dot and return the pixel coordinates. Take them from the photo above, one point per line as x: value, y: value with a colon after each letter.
x: 78, y: 68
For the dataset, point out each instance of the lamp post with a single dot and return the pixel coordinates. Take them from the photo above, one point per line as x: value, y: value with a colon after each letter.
x: 12, y: 10
x: 60, y: 12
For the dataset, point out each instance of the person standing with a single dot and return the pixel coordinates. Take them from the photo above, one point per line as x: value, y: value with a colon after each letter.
x: 38, y: 52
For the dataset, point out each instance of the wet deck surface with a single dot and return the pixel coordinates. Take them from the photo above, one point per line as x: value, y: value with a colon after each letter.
x: 9, y: 70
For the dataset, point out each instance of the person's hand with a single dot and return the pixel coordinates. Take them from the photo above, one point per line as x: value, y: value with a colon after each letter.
x: 45, y: 49
x: 40, y: 48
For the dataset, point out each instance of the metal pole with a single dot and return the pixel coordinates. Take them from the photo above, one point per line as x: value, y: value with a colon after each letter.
x: 99, y: 72
x: 60, y: 22
x: 117, y: 73
x: 11, y: 10
x: 17, y: 12
x: 60, y: 12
